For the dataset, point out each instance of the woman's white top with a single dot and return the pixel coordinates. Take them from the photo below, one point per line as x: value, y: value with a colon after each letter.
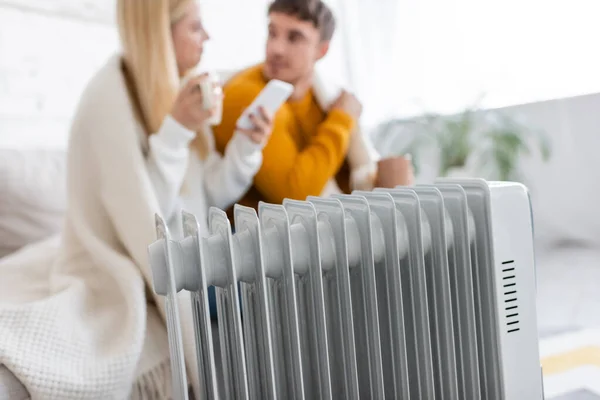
x: 183, y: 181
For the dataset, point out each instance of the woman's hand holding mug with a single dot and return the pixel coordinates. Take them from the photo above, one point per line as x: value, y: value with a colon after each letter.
x: 196, y: 104
x: 200, y: 102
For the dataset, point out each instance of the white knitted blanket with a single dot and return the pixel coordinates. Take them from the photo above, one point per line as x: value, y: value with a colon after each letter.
x: 74, y: 319
x: 362, y: 157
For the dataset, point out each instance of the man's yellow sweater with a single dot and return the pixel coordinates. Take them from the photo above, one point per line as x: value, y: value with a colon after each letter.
x: 306, y: 149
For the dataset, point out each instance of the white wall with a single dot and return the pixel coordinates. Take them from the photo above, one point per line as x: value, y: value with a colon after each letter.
x: 238, y: 30
x: 45, y: 61
x: 564, y: 190
x: 513, y: 51
x: 49, y: 49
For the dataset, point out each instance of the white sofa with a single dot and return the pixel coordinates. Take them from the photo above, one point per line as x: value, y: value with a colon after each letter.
x: 33, y: 199
x: 32, y: 206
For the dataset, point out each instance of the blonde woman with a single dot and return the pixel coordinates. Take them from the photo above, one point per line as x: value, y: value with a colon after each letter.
x: 78, y: 318
x: 153, y: 65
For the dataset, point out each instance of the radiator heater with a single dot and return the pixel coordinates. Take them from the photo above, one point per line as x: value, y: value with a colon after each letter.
x: 425, y: 293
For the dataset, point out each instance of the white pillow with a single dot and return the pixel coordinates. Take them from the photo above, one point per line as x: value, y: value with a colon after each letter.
x: 32, y: 196
x: 11, y: 388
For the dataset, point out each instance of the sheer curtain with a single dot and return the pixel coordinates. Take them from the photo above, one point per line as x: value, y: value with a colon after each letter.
x: 365, y: 56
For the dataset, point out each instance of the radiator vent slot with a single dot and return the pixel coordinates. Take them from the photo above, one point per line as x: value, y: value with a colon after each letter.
x: 511, y: 306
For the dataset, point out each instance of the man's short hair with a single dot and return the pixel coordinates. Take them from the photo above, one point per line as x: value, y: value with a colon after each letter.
x: 314, y: 11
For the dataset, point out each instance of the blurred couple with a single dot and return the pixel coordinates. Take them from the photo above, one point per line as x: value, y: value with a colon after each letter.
x: 78, y: 317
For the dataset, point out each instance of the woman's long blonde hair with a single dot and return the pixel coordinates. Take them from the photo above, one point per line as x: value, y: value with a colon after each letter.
x: 149, y: 57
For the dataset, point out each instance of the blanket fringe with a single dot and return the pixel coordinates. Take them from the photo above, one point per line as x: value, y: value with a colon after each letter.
x: 155, y: 384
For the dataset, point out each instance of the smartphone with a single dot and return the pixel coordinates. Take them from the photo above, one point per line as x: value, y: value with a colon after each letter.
x: 271, y: 98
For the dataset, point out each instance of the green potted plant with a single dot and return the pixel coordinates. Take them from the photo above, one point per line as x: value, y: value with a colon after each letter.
x: 487, y: 143
x: 503, y: 141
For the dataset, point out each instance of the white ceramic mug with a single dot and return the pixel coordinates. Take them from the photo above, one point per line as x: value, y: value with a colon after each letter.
x: 213, y: 97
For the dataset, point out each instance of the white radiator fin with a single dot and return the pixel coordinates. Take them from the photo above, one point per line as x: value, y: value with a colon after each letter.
x: 376, y: 295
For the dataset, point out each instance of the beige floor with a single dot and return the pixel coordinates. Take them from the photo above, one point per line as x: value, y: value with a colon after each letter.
x: 569, y: 323
x: 568, y: 290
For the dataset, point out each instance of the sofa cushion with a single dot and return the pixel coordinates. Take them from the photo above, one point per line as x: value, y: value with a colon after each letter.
x: 32, y: 196
x: 10, y: 387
